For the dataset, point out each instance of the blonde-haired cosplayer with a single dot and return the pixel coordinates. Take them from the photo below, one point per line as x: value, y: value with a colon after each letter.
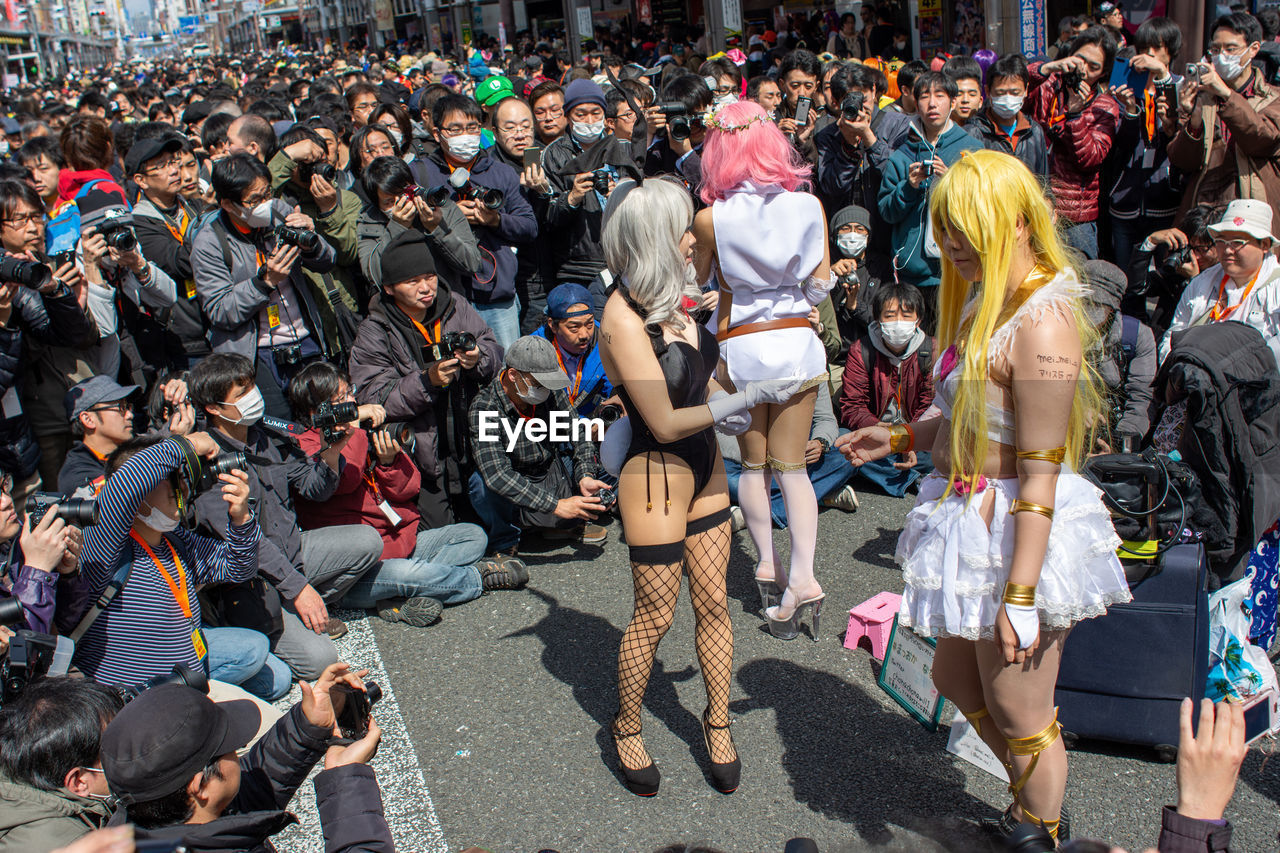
x: 1010, y: 547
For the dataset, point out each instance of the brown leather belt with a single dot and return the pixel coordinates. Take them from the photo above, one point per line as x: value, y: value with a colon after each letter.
x: 766, y: 326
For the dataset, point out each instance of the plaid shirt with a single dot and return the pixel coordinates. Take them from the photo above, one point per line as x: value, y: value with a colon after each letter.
x: 516, y: 475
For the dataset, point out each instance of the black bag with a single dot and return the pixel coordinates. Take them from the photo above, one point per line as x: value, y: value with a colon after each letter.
x: 253, y: 604
x: 1152, y: 498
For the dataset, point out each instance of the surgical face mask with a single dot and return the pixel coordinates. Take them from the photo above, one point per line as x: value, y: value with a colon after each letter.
x: 533, y: 396
x: 397, y: 136
x: 900, y: 45
x: 465, y: 147
x: 258, y: 216
x: 4, y: 147
x: 897, y: 333
x: 721, y: 100
x: 251, y: 407
x: 1007, y: 106
x: 158, y: 521
x: 1228, y: 67
x: 587, y: 131
x: 852, y: 244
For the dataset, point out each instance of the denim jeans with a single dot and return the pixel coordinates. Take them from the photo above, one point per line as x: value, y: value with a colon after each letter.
x: 504, y: 521
x: 1083, y: 236
x: 242, y: 656
x: 442, y: 567
x: 334, y: 558
x: 503, y: 318
x: 894, y: 481
x: 828, y: 475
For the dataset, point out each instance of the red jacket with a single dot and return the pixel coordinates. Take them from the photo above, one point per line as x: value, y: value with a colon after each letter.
x: 1078, y: 144
x: 70, y: 183
x: 864, y: 397
x: 356, y: 502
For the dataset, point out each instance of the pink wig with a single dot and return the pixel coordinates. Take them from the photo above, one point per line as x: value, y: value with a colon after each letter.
x: 757, y: 152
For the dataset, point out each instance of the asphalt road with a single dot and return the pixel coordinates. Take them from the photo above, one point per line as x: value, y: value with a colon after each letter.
x: 506, y: 705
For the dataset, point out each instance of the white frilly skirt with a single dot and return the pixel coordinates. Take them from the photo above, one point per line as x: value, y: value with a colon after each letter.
x: 955, y: 568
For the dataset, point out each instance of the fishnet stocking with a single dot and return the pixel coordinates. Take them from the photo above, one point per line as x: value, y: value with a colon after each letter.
x: 657, y: 586
x: 707, y: 558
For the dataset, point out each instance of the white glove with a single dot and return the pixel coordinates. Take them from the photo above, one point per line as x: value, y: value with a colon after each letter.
x: 733, y: 423
x: 816, y: 289
x: 772, y: 390
x: 1026, y: 623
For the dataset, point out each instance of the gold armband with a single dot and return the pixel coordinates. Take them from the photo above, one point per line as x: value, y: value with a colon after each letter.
x: 1019, y: 505
x: 1054, y: 455
x: 1019, y: 595
x: 901, y: 438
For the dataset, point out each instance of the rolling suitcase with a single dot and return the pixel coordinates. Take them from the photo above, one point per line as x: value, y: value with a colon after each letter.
x: 1124, y: 675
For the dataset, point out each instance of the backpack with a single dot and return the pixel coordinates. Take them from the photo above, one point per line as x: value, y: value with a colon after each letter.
x: 924, y: 355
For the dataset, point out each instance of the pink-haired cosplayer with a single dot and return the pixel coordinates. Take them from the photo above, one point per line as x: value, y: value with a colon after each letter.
x: 766, y: 242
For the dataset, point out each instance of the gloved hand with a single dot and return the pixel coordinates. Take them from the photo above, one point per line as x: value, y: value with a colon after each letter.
x: 772, y: 390
x: 732, y: 423
x: 1025, y: 621
x: 816, y: 289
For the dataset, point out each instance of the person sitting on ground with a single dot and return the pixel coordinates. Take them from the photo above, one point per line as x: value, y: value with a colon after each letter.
x: 828, y: 470
x: 522, y: 482
x: 52, y: 789
x: 1127, y: 360
x: 888, y: 380
x: 1160, y: 269
x: 421, y: 570
x: 170, y: 759
x: 572, y: 329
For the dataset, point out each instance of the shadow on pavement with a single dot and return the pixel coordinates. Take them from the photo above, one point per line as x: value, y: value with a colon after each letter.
x: 879, y: 550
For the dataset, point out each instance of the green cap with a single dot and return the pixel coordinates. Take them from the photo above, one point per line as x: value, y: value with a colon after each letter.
x: 493, y: 90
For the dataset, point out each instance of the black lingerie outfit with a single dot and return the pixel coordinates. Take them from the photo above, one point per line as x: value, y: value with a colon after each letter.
x: 687, y: 371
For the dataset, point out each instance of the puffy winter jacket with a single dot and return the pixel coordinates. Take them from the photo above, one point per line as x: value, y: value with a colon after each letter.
x: 35, y: 821
x: 1078, y: 144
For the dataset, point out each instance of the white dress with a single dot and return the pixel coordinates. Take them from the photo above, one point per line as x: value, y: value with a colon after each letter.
x: 955, y: 568
x: 768, y: 241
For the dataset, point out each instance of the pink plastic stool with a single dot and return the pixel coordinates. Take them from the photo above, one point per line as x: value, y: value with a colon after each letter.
x: 873, y: 619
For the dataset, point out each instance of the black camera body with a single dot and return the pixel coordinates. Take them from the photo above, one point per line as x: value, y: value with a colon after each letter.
x: 851, y: 106
x: 80, y: 512
x: 224, y: 463
x: 679, y: 123
x: 30, y: 656
x: 184, y: 675
x: 1175, y: 259
x: 323, y: 169
x: 304, y: 238
x: 353, y: 707
x: 600, y: 180
x: 329, y: 417
x: 26, y: 273
x: 608, y: 413
x: 450, y: 344
x: 608, y: 497
x: 488, y: 196
x: 1072, y: 80
x: 436, y: 196
x: 119, y: 235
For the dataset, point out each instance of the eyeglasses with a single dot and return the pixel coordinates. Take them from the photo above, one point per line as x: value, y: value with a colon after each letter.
x: 121, y: 406
x: 25, y: 219
x: 384, y: 149
x: 256, y: 200
x: 163, y: 166
x: 459, y: 129
x: 1232, y: 245
x: 1229, y: 50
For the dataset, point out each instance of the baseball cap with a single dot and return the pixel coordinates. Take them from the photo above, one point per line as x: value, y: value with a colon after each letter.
x: 536, y: 356
x: 168, y: 734
x: 148, y: 149
x: 87, y: 393
x: 493, y: 90
x: 565, y: 296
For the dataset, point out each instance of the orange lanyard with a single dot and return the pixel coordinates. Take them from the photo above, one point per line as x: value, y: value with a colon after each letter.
x: 1222, y: 312
x: 373, y: 484
x: 435, y: 327
x: 1149, y: 117
x: 577, y: 380
x: 182, y: 225
x: 179, y: 587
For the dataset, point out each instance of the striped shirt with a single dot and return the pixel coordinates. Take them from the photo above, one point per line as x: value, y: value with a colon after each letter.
x: 144, y: 632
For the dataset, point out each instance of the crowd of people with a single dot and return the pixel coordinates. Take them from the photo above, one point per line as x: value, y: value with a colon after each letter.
x: 302, y: 327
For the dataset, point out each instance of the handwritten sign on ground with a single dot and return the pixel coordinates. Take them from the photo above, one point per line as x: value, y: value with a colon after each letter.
x: 907, y: 676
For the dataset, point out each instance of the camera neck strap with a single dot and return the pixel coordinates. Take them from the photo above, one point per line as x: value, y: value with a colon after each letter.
x: 422, y: 330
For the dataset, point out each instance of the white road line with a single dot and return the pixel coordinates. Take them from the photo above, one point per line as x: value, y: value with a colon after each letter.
x: 405, y: 797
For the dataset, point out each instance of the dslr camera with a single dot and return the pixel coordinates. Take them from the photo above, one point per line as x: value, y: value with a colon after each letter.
x: 224, y: 463
x: 80, y: 512
x: 26, y: 273
x: 608, y: 413
x: 329, y: 417
x: 600, y: 181
x: 1175, y: 259
x: 436, y: 197
x: 851, y: 106
x: 183, y: 675
x: 450, y: 343
x: 304, y: 238
x: 488, y: 196
x: 31, y: 655
x: 323, y: 169
x: 119, y: 235
x: 1071, y: 80
x: 679, y: 123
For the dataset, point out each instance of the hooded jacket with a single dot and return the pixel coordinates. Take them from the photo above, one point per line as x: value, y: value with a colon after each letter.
x: 387, y: 368
x: 574, y: 233
x: 867, y: 389
x: 36, y: 821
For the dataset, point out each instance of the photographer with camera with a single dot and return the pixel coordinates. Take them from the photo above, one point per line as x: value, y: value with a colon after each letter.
x: 677, y: 121
x: 52, y: 788
x: 398, y: 204
x: 42, y: 322
x: 248, y: 262
x: 1231, y: 120
x: 798, y: 78
x: 39, y: 558
x: 1125, y: 357
x: 170, y: 759
x: 487, y: 191
x: 526, y: 484
x: 421, y: 569
x: 422, y: 354
x: 1163, y: 264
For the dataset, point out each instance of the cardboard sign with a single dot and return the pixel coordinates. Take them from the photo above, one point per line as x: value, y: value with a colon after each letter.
x: 907, y: 676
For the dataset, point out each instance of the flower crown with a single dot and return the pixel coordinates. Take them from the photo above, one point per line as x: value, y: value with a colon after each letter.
x: 716, y: 121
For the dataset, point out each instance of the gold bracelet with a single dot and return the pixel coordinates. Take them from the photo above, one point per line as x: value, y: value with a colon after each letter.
x: 901, y: 438
x: 1054, y: 455
x: 1019, y: 505
x: 1019, y: 595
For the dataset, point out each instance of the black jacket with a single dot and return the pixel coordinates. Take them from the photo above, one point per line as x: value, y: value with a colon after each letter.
x: 80, y: 468
x: 1030, y: 144
x: 180, y: 333
x: 573, y: 233
x: 1232, y: 434
x: 347, y: 798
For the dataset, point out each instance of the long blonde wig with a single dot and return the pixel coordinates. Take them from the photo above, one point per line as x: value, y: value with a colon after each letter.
x: 985, y: 196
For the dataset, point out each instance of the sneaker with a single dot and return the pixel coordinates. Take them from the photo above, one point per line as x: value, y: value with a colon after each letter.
x: 593, y: 534
x: 846, y: 499
x: 336, y: 628
x: 737, y: 521
x: 508, y: 573
x: 418, y: 612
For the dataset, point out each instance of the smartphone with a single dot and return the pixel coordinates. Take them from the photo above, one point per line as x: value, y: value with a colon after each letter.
x: 1124, y: 74
x: 353, y: 707
x: 802, y: 110
x: 1260, y: 716
x: 532, y: 155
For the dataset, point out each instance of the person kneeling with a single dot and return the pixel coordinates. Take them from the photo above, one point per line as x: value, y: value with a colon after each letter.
x: 520, y: 481
x: 378, y: 487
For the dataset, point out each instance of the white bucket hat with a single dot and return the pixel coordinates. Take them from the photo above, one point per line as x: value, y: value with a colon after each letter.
x: 1246, y: 216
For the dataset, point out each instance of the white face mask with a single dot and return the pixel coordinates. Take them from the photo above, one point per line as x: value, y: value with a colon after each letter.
x: 1228, y: 67
x: 898, y: 333
x: 397, y: 136
x: 721, y: 100
x: 533, y: 396
x: 1007, y: 106
x: 465, y: 147
x: 587, y: 131
x: 251, y: 407
x: 257, y: 217
x: 851, y: 244
x: 158, y: 521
